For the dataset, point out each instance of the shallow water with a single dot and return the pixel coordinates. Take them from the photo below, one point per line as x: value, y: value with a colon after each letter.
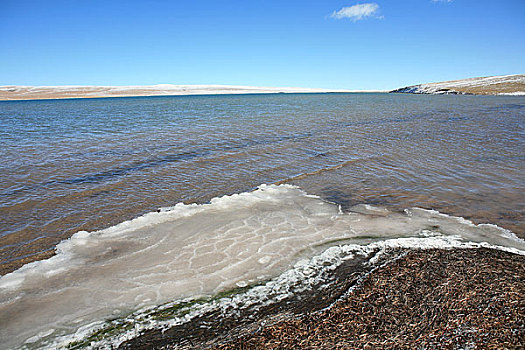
x: 70, y: 165
x: 85, y: 165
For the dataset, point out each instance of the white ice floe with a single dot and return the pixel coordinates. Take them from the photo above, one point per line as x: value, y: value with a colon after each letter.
x: 188, y: 251
x: 303, y: 276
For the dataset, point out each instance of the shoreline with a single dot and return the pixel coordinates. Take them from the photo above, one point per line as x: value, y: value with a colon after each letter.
x: 506, y: 85
x: 193, y: 95
x: 424, y: 299
x: 435, y: 298
x: 30, y: 93
x: 402, y: 298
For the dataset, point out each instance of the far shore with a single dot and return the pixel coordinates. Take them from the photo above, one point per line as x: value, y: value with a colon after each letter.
x: 510, y: 85
x: 14, y: 93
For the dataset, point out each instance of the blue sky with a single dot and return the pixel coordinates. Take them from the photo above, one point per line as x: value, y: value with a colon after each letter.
x: 324, y: 43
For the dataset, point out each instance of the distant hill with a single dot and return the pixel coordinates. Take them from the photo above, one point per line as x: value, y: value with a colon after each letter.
x: 497, y: 85
x: 60, y: 92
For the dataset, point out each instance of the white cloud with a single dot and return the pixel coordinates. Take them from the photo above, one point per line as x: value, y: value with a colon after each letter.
x: 357, y: 12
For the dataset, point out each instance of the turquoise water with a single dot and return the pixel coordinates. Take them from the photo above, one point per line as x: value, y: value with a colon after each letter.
x: 86, y: 164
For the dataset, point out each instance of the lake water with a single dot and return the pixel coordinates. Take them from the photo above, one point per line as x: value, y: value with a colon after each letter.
x: 91, y: 164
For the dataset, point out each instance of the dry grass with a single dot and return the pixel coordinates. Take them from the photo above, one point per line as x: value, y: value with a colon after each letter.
x: 475, y: 86
x: 492, y: 89
x: 461, y: 299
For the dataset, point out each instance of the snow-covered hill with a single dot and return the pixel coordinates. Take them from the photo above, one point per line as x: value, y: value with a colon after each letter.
x: 57, y: 92
x: 497, y: 85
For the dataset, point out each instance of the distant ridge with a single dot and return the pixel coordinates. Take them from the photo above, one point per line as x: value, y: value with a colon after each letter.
x: 62, y: 92
x: 495, y: 85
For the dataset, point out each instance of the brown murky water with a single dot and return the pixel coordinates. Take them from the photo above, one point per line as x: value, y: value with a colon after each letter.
x: 70, y: 165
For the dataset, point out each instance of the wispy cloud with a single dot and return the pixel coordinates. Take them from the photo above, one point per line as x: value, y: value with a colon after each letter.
x: 357, y: 12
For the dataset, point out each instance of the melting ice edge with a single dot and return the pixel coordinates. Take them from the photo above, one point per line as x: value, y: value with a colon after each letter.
x: 274, y: 242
